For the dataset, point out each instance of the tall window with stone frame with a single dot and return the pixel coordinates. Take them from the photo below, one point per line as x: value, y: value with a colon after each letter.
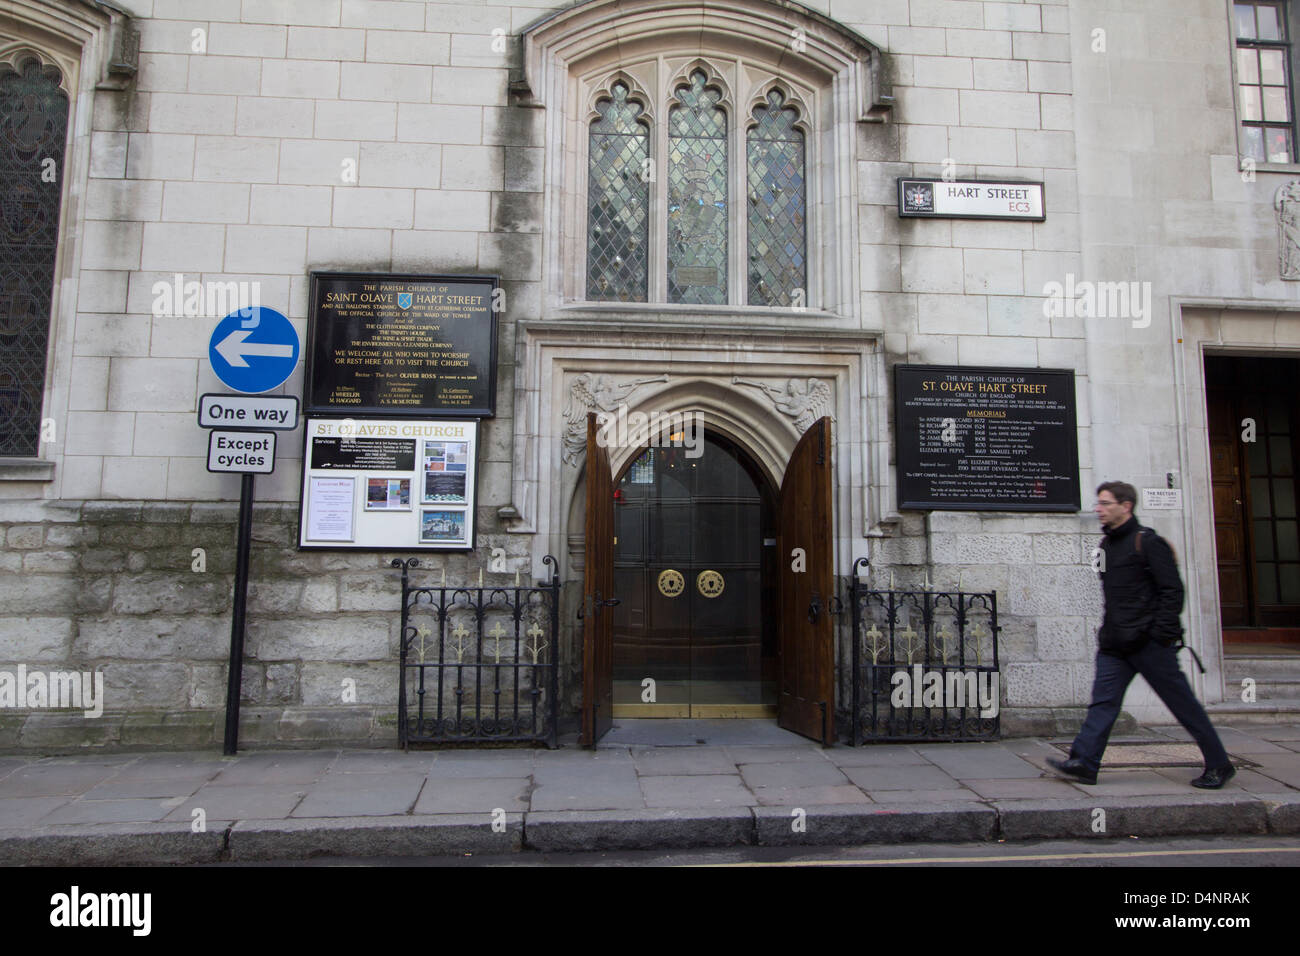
x: 694, y: 197
x: 1265, y: 67
x: 33, y: 138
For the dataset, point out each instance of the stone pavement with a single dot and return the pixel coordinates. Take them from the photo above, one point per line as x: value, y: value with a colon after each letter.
x: 650, y: 784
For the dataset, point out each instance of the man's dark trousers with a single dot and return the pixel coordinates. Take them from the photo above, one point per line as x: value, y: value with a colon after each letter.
x: 1159, y: 666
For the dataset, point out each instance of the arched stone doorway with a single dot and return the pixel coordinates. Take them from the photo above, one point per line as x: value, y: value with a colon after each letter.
x: 694, y: 567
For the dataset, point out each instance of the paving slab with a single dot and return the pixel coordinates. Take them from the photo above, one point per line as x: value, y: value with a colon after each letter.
x: 809, y: 796
x: 922, y: 796
x: 124, y: 786
x: 429, y: 835
x: 707, y: 791
x: 1282, y: 769
x: 370, y: 761
x: 269, y: 802
x: 798, y: 774
x: 880, y: 755
x: 25, y: 811
x: 587, y: 787
x: 491, y: 763
x: 926, y: 777
x: 266, y: 769
x: 1134, y: 783
x: 108, y: 811
x: 1018, y: 788
x: 681, y: 761
x: 1242, y: 742
x: 1278, y: 732
x: 468, y: 795
x: 811, y: 754
x: 362, y: 795
x: 47, y: 779
x: 979, y: 761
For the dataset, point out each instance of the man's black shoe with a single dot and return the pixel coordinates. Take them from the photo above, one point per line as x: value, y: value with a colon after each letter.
x: 1215, y: 778
x: 1073, y: 768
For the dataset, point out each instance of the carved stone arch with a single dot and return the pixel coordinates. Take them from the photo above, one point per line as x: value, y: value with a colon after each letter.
x: 636, y: 91
x: 15, y: 55
x: 715, y: 76
x: 793, y: 99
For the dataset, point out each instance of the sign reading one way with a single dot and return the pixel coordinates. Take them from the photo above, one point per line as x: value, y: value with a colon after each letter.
x: 246, y: 411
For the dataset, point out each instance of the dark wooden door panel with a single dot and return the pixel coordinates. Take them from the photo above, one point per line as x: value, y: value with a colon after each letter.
x: 598, y: 593
x: 806, y: 703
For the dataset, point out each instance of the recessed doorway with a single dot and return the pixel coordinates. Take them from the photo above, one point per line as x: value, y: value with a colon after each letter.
x: 695, y: 632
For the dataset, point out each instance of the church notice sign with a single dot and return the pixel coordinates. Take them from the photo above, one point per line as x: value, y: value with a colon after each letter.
x: 387, y: 344
x: 971, y: 199
x: 986, y: 439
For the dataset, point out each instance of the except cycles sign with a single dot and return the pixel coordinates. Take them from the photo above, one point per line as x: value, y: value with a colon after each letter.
x: 241, y: 452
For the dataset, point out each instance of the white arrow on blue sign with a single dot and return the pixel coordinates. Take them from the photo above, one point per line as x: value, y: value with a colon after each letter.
x: 254, y: 353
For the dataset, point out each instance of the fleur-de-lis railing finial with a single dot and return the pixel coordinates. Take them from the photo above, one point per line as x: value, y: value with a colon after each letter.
x: 875, y: 644
x: 978, y: 632
x: 910, y: 641
x: 497, y: 634
x: 460, y: 632
x: 536, y: 647
x: 943, y: 642
x: 422, y: 633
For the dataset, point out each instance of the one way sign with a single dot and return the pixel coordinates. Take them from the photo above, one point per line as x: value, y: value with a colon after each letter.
x: 256, y: 353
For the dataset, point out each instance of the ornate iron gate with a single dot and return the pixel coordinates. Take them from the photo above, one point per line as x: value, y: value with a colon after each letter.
x: 924, y: 664
x: 478, y: 664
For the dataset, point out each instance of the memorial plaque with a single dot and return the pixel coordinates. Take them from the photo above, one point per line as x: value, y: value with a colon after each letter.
x: 414, y: 345
x: 986, y: 439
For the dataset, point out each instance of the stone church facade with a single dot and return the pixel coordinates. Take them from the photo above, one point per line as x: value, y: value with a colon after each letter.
x: 259, y: 141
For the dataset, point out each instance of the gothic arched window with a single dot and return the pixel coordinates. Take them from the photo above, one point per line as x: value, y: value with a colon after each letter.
x: 618, y: 214
x: 778, y: 239
x: 697, y: 195
x: 708, y: 253
x: 33, y: 136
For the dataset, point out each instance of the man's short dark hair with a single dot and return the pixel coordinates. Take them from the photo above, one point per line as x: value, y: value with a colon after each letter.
x: 1122, y: 491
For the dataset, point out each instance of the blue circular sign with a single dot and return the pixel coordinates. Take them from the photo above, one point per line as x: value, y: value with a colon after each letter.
x: 254, y: 350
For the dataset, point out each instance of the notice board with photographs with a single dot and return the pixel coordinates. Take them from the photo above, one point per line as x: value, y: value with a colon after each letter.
x: 388, y: 484
x: 396, y: 344
x: 986, y: 439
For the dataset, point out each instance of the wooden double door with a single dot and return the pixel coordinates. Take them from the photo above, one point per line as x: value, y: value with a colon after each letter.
x: 1253, y: 411
x: 707, y: 592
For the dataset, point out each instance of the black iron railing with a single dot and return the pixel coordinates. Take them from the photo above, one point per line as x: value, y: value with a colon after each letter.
x: 924, y: 664
x: 478, y: 664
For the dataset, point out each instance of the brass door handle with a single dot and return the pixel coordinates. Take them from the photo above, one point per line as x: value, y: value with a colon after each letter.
x: 671, y: 583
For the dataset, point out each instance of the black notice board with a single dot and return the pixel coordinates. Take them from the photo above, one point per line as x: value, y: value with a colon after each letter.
x: 391, y: 344
x: 986, y: 439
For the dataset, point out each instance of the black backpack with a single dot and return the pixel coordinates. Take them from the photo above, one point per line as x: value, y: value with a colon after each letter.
x: 1180, y: 644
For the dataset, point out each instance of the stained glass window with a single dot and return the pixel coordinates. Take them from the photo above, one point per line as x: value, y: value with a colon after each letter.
x: 777, y: 232
x: 1263, y: 83
x: 618, y: 201
x: 697, y: 195
x: 33, y: 132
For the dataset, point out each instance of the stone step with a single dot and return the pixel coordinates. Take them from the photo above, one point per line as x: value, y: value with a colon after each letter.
x: 1262, y: 667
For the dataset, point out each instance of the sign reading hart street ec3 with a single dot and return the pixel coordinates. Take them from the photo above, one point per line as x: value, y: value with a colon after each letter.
x: 971, y: 199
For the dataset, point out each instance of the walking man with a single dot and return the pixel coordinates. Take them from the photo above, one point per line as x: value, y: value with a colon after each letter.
x: 1143, y: 595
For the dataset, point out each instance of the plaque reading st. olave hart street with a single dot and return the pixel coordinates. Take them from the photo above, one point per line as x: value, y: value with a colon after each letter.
x: 986, y: 439
x: 402, y: 344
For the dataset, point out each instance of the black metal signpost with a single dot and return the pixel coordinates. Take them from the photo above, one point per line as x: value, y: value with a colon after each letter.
x: 234, y: 448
